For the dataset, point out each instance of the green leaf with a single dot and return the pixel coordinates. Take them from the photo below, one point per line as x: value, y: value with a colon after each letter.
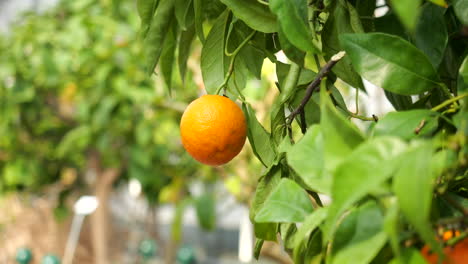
x: 287, y: 203
x: 461, y: 10
x: 258, y: 137
x: 198, y: 8
x: 168, y: 56
x: 390, y: 24
x: 391, y: 225
x: 363, y: 171
x: 409, y: 256
x: 306, y: 158
x: 366, y: 8
x: 213, y: 61
x: 292, y: 16
x: 266, y: 184
x: 390, y: 62
x: 157, y: 32
x: 359, y: 241
x: 407, y: 11
x: 250, y: 56
x: 254, y: 14
x: 184, y: 13
x: 76, y: 139
x: 293, y: 53
x: 407, y: 124
x: 176, y: 228
x: 146, y: 9
x: 464, y: 70
x: 206, y: 211
x: 287, y: 232
x: 340, y: 135
x: 431, y: 33
x: 441, y: 3
x: 339, y: 23
x: 311, y: 222
x: 278, y: 120
x: 399, y: 102
x: 414, y: 178
x: 258, y: 248
x: 185, y: 43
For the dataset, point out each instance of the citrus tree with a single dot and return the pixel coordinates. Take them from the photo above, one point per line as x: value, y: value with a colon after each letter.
x: 395, y: 185
x: 79, y: 114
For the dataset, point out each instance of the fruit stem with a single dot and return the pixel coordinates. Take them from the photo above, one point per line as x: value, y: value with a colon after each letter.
x: 231, y: 64
x: 449, y: 101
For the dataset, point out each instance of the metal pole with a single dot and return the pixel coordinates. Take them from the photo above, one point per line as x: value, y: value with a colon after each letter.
x: 73, y: 238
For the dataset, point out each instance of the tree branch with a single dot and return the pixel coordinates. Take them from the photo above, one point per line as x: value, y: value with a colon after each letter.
x: 315, y: 83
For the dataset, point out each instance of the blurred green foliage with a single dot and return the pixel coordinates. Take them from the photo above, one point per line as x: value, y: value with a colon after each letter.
x: 72, y: 83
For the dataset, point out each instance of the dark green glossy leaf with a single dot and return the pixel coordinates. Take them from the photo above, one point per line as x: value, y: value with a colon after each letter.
x: 288, y: 232
x: 464, y: 71
x: 337, y: 24
x: 185, y: 43
x: 198, y: 8
x: 311, y: 222
x: 461, y: 9
x: 390, y: 62
x: 258, y: 137
x: 287, y: 203
x: 213, y: 61
x: 258, y: 247
x: 146, y: 9
x: 392, y: 226
x: 390, y: 24
x: 168, y: 56
x: 362, y: 172
x: 441, y: 3
x: 278, y: 121
x: 293, y: 20
x: 157, y: 32
x: 399, y: 102
x: 407, y: 11
x: 409, y: 256
x: 252, y: 58
x: 254, y: 14
x: 206, y: 211
x: 366, y: 10
x: 339, y: 134
x: 184, y: 13
x: 307, y: 159
x: 360, y: 237
x: 266, y: 184
x: 414, y: 178
x: 431, y: 34
x: 407, y: 124
x: 293, y: 53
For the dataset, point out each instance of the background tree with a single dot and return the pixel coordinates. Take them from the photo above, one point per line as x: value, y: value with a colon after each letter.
x: 393, y: 186
x: 79, y: 114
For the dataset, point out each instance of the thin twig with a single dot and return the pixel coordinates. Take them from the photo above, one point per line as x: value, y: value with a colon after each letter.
x: 456, y: 204
x: 303, y: 122
x: 448, y: 102
x: 316, y: 197
x: 315, y: 83
x: 233, y: 58
x: 417, y: 130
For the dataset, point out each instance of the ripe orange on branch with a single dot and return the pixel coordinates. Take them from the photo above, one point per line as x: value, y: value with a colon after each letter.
x: 457, y: 254
x: 213, y: 129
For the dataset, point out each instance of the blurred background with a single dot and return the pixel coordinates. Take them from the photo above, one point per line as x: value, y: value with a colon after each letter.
x: 90, y: 149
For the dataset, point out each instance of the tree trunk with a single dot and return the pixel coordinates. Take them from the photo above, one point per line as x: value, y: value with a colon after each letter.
x: 100, y: 220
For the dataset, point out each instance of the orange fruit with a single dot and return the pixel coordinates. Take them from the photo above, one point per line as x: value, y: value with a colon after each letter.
x: 457, y: 254
x: 213, y: 129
